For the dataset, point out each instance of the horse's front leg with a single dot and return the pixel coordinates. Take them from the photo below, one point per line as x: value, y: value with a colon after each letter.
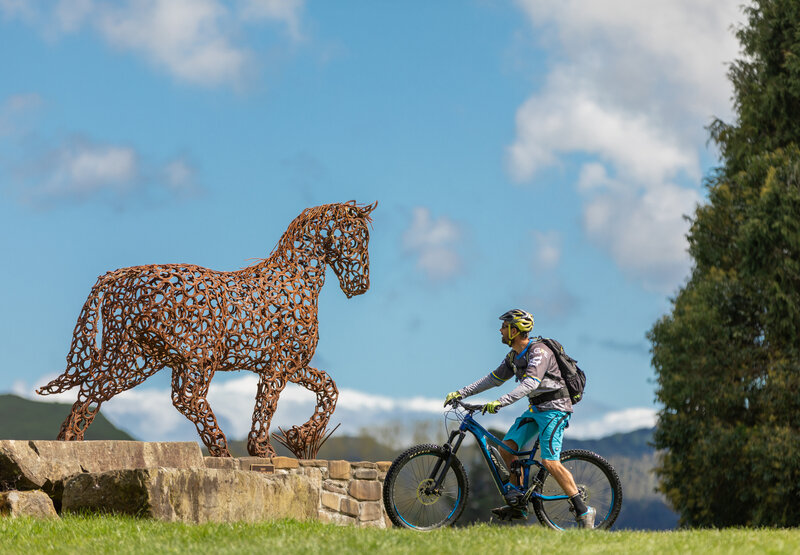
x: 306, y: 439
x: 269, y: 389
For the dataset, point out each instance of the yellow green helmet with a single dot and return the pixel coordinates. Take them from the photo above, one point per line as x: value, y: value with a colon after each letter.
x: 520, y: 319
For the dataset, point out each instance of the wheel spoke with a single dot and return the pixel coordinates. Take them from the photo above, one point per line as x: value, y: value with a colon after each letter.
x: 597, y: 483
x: 410, y: 499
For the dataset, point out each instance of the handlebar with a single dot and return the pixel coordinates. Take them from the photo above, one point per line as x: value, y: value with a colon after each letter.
x: 469, y: 407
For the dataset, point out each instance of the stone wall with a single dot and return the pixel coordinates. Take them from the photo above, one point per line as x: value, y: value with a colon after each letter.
x: 173, y: 482
x: 350, y: 493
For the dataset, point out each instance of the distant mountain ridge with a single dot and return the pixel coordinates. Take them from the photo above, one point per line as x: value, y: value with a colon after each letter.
x: 626, y: 444
x: 26, y: 419
x: 634, y: 458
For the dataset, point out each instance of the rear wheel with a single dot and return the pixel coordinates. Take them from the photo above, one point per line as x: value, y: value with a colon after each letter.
x: 409, y: 493
x: 598, y: 484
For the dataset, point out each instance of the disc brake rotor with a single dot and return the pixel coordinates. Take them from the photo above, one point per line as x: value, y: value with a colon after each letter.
x: 425, y: 494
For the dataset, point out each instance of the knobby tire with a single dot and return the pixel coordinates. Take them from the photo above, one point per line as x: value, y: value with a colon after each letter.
x: 597, y: 481
x: 404, y: 496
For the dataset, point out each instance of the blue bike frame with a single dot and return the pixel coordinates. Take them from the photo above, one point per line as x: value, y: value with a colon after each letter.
x: 527, y: 482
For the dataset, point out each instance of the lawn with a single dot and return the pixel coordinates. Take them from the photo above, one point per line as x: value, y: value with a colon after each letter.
x: 118, y: 535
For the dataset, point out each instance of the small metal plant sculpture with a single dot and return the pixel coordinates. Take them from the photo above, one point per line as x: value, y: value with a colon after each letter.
x: 197, y: 322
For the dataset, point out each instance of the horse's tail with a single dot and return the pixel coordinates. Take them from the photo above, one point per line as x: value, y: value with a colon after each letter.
x: 84, y: 356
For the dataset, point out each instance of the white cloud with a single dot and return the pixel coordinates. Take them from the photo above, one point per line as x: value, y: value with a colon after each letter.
x: 563, y: 120
x: 13, y: 107
x: 614, y: 422
x: 283, y: 11
x: 20, y: 102
x: 83, y: 168
x: 632, y: 87
x: 179, y: 176
x: 148, y: 414
x: 198, y: 41
x: 553, y: 301
x: 434, y: 242
x: 79, y: 169
x: 662, y: 58
x: 18, y: 8
x: 593, y: 176
x: 187, y: 37
x: 69, y: 15
x: 644, y: 232
x: 547, y: 250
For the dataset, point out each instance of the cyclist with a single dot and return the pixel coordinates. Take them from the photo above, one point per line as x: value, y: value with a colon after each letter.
x: 539, y: 379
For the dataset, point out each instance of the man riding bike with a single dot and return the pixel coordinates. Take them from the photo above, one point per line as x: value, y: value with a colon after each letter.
x: 539, y: 379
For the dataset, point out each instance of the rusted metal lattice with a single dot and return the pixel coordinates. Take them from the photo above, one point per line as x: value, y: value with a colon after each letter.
x: 197, y: 322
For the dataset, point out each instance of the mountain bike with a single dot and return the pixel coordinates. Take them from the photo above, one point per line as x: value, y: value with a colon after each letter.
x: 427, y: 487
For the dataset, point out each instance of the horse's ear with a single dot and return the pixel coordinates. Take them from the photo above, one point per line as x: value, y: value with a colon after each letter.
x: 369, y: 208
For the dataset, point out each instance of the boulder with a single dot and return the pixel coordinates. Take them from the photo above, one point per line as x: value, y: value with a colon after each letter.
x: 27, y: 465
x: 35, y: 504
x: 196, y: 495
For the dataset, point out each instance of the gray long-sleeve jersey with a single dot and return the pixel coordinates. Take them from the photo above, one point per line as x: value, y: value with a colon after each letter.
x: 536, y: 371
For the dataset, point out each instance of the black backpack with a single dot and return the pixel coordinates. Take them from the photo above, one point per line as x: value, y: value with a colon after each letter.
x: 573, y: 376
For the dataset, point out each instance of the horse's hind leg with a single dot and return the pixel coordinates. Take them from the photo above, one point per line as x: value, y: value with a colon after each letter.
x: 258, y: 444
x: 103, y: 383
x: 81, y: 415
x: 189, y: 391
x: 90, y: 397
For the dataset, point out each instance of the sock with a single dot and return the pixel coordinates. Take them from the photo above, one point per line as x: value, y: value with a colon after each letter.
x: 578, y: 504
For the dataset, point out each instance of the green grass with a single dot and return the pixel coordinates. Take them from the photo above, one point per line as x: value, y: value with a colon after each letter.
x: 117, y: 535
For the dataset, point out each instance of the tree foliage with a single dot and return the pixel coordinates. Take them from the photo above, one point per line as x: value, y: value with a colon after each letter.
x: 727, y: 357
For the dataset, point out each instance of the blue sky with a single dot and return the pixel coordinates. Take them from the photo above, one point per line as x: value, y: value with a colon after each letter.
x: 523, y: 153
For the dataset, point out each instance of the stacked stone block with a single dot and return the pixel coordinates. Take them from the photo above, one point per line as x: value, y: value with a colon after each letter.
x: 351, y: 493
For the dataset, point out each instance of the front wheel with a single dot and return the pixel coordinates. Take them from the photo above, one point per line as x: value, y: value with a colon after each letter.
x: 410, y: 495
x: 598, y: 484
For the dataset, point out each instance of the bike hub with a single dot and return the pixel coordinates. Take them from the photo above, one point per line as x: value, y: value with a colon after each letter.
x: 425, y: 492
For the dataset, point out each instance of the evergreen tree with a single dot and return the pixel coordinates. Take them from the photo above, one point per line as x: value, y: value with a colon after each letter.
x: 727, y: 357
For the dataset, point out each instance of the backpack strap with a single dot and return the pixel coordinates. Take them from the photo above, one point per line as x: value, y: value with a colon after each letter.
x: 540, y: 339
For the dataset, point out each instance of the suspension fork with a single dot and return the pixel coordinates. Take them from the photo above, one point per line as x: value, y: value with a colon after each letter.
x: 451, y: 448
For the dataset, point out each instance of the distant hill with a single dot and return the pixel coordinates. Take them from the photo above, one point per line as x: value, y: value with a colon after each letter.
x: 26, y: 419
x: 630, y: 444
x: 634, y: 458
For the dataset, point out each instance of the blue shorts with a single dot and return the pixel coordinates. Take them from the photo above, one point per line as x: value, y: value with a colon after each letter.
x: 549, y: 424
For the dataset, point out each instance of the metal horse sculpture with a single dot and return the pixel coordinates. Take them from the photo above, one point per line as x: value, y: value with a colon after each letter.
x: 197, y: 322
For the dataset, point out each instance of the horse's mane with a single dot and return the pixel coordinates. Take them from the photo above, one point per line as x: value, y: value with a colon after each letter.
x: 319, y: 216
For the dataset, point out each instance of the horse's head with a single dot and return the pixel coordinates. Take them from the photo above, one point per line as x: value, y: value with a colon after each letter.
x: 346, y: 244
